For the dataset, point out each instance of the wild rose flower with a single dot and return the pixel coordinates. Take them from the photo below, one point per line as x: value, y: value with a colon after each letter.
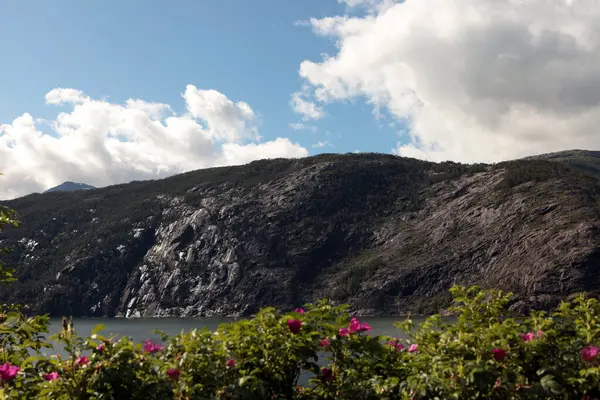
x: 354, y: 325
x: 52, y: 376
x: 173, y: 374
x: 299, y: 310
x: 344, y: 332
x: 8, y: 372
x: 413, y: 348
x: 528, y: 337
x: 100, y: 347
x: 324, y: 342
x: 83, y: 360
x: 499, y: 354
x: 539, y: 333
x: 326, y: 374
x: 231, y: 363
x: 364, y: 327
x: 395, y: 343
x: 589, y: 353
x: 150, y: 347
x: 294, y: 325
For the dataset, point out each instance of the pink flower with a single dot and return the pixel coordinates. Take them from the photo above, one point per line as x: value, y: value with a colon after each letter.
x: 344, y: 332
x: 294, y: 325
x: 539, y: 333
x: 8, y: 372
x: 100, y: 347
x: 324, y: 342
x: 499, y: 354
x: 413, y: 348
x: 173, y: 374
x: 395, y: 343
x: 589, y: 353
x: 364, y: 327
x: 150, y: 347
x: 83, y: 360
x: 528, y: 337
x: 231, y: 363
x: 326, y: 374
x: 52, y: 376
x: 354, y: 325
x: 299, y: 310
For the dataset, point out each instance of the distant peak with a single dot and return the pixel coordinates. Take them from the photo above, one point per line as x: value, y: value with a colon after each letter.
x: 69, y: 186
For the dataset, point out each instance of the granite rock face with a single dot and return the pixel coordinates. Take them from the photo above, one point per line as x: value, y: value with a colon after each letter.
x: 385, y: 234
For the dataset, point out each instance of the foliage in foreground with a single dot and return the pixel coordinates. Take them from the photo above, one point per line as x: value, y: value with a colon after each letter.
x: 480, y: 355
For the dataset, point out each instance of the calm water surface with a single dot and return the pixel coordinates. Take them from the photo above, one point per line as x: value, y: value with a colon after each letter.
x: 141, y: 329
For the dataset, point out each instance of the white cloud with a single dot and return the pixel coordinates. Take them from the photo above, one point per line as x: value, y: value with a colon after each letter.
x: 372, y: 5
x: 354, y: 3
x: 306, y: 108
x: 226, y: 119
x: 153, y: 110
x: 321, y: 144
x: 60, y: 96
x: 102, y: 143
x: 234, y: 153
x: 477, y: 80
x: 299, y: 126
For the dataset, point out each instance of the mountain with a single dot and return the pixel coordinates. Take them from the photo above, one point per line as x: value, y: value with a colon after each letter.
x: 583, y: 160
x: 385, y: 234
x: 69, y: 186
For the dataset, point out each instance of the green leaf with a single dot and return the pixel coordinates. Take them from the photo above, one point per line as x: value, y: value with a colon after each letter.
x: 98, y: 328
x: 550, y: 385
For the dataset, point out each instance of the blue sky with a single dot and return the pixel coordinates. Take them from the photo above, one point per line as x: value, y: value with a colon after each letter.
x: 247, y: 50
x: 111, y: 91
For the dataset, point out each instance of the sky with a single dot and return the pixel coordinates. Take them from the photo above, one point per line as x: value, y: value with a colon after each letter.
x: 114, y: 91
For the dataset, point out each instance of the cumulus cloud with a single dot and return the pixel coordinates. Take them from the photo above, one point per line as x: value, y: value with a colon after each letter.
x: 225, y: 119
x: 103, y: 143
x: 306, y: 108
x: 475, y: 80
x: 60, y: 95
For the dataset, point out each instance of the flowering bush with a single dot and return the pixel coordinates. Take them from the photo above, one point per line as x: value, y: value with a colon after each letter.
x: 319, y: 352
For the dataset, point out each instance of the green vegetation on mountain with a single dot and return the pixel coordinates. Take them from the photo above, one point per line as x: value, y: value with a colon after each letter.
x: 387, y: 235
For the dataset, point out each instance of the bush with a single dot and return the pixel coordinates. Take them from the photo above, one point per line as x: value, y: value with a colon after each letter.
x: 482, y: 354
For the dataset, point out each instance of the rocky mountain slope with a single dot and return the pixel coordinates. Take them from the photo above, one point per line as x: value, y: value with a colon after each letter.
x: 583, y: 160
x: 386, y: 234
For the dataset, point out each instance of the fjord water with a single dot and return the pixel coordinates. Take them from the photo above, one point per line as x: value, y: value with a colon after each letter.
x: 141, y: 329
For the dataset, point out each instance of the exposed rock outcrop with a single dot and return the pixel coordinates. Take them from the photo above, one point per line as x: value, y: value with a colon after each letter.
x: 386, y: 234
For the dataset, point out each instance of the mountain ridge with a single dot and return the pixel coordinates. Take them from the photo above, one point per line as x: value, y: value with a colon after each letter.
x: 69, y: 186
x: 386, y: 234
